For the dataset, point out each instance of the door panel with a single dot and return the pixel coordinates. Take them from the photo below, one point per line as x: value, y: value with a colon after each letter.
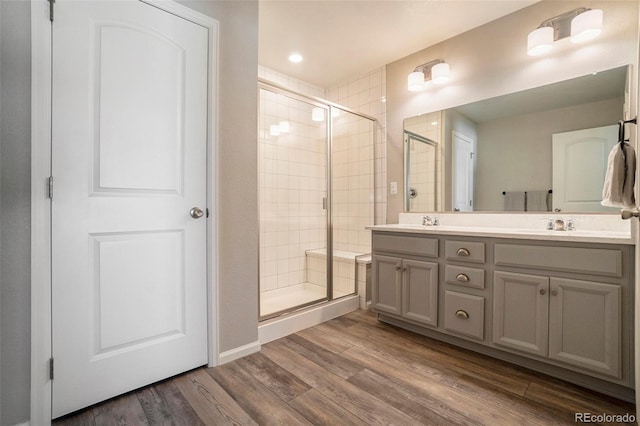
x: 463, y: 172
x: 521, y: 312
x: 579, y: 168
x: 387, y: 279
x: 420, y: 291
x: 585, y: 325
x: 129, y: 153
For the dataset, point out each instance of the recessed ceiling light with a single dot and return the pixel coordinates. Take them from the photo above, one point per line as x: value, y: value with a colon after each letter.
x: 296, y: 58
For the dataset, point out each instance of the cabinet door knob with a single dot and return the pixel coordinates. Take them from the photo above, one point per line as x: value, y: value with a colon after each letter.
x: 398, y: 267
x: 543, y: 291
x: 463, y: 252
x: 554, y: 292
x: 462, y: 314
x: 462, y: 278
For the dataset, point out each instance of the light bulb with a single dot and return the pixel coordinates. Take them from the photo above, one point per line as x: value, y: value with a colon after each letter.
x: 415, y: 81
x: 440, y: 73
x: 586, y: 26
x: 540, y: 41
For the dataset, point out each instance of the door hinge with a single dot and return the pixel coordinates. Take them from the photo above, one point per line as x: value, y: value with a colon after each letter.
x: 51, y: 187
x: 50, y: 368
x: 51, y: 2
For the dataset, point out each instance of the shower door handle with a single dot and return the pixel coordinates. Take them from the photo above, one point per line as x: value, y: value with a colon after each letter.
x: 196, y: 212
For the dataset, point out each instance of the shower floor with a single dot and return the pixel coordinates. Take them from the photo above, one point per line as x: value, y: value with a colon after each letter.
x: 281, y: 299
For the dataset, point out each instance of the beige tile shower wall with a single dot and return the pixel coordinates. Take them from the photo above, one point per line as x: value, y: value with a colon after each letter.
x: 292, y: 180
x: 353, y: 182
x: 367, y: 94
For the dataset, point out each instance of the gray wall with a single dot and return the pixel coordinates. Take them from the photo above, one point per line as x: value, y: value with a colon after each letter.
x: 15, y: 182
x: 238, y: 169
x: 491, y: 60
x: 237, y: 202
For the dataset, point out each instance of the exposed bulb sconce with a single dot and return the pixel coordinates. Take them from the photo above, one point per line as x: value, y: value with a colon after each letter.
x: 436, y: 71
x: 580, y: 24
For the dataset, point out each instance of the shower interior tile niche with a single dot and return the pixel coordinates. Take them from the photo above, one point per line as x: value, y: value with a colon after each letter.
x: 316, y: 189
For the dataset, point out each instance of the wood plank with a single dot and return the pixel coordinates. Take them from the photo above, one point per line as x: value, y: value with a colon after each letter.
x: 397, y: 344
x: 277, y: 379
x: 370, y: 409
x: 122, y: 411
x: 79, y: 418
x: 320, y: 410
x: 404, y: 398
x: 576, y: 400
x: 258, y: 401
x: 441, y: 398
x: 542, y: 414
x: 331, y: 362
x: 163, y: 403
x: 331, y: 342
x: 212, y: 404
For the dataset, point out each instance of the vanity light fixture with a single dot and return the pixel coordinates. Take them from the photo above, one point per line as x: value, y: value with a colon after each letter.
x: 580, y: 24
x: 436, y: 71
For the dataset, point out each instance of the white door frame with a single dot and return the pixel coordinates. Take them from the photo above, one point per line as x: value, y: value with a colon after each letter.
x: 41, y: 320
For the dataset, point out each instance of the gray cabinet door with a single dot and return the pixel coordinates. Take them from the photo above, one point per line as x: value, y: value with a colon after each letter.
x: 387, y: 278
x: 420, y: 291
x: 521, y: 312
x: 585, y: 325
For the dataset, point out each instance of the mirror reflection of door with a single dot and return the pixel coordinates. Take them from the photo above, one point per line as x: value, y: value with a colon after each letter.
x: 579, y: 168
x: 463, y: 171
x: 421, y: 183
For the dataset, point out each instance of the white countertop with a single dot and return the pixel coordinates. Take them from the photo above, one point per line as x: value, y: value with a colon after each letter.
x: 583, y: 236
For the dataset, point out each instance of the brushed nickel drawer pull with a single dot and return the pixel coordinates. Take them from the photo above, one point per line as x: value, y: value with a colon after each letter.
x: 463, y: 252
x: 463, y: 278
x: 462, y: 314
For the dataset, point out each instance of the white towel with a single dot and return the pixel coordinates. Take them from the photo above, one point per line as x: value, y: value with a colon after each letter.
x: 538, y: 201
x: 514, y: 201
x: 618, y: 188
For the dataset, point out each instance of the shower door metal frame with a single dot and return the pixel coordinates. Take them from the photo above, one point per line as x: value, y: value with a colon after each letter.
x: 408, y: 136
x: 328, y: 106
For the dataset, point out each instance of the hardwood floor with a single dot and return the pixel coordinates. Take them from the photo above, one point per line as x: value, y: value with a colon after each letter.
x: 354, y: 370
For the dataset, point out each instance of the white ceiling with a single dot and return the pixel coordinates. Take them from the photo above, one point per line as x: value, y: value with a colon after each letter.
x: 343, y: 39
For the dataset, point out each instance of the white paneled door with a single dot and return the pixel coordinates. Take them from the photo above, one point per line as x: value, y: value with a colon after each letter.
x: 129, y: 149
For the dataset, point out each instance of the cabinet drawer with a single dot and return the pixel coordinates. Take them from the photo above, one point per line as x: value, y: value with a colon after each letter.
x: 464, y: 251
x: 419, y: 246
x: 593, y: 261
x: 464, y: 314
x: 468, y: 277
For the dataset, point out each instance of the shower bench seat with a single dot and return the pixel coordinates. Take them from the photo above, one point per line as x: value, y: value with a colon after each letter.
x: 349, y: 272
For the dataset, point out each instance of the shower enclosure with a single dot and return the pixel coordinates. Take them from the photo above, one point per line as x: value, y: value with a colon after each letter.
x: 316, y: 195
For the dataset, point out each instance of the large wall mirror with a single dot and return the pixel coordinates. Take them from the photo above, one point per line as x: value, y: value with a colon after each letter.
x: 543, y: 149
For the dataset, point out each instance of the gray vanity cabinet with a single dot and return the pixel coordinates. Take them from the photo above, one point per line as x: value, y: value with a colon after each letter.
x: 406, y: 284
x: 573, y: 321
x: 521, y: 312
x: 585, y: 324
x: 406, y: 287
x: 562, y: 308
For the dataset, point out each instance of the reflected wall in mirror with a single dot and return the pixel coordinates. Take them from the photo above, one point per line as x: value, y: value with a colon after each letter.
x: 487, y: 154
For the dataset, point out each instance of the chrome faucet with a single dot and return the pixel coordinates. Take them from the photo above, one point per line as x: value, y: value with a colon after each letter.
x: 429, y: 221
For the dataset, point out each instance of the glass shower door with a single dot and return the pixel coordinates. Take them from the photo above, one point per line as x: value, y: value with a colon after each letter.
x: 292, y: 163
x: 352, y: 200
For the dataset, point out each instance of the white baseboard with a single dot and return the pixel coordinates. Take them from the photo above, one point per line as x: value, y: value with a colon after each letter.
x: 239, y: 352
x: 22, y: 424
x: 288, y: 324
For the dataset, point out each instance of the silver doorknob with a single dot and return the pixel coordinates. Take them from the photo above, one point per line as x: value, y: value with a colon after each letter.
x: 196, y: 212
x: 628, y: 214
